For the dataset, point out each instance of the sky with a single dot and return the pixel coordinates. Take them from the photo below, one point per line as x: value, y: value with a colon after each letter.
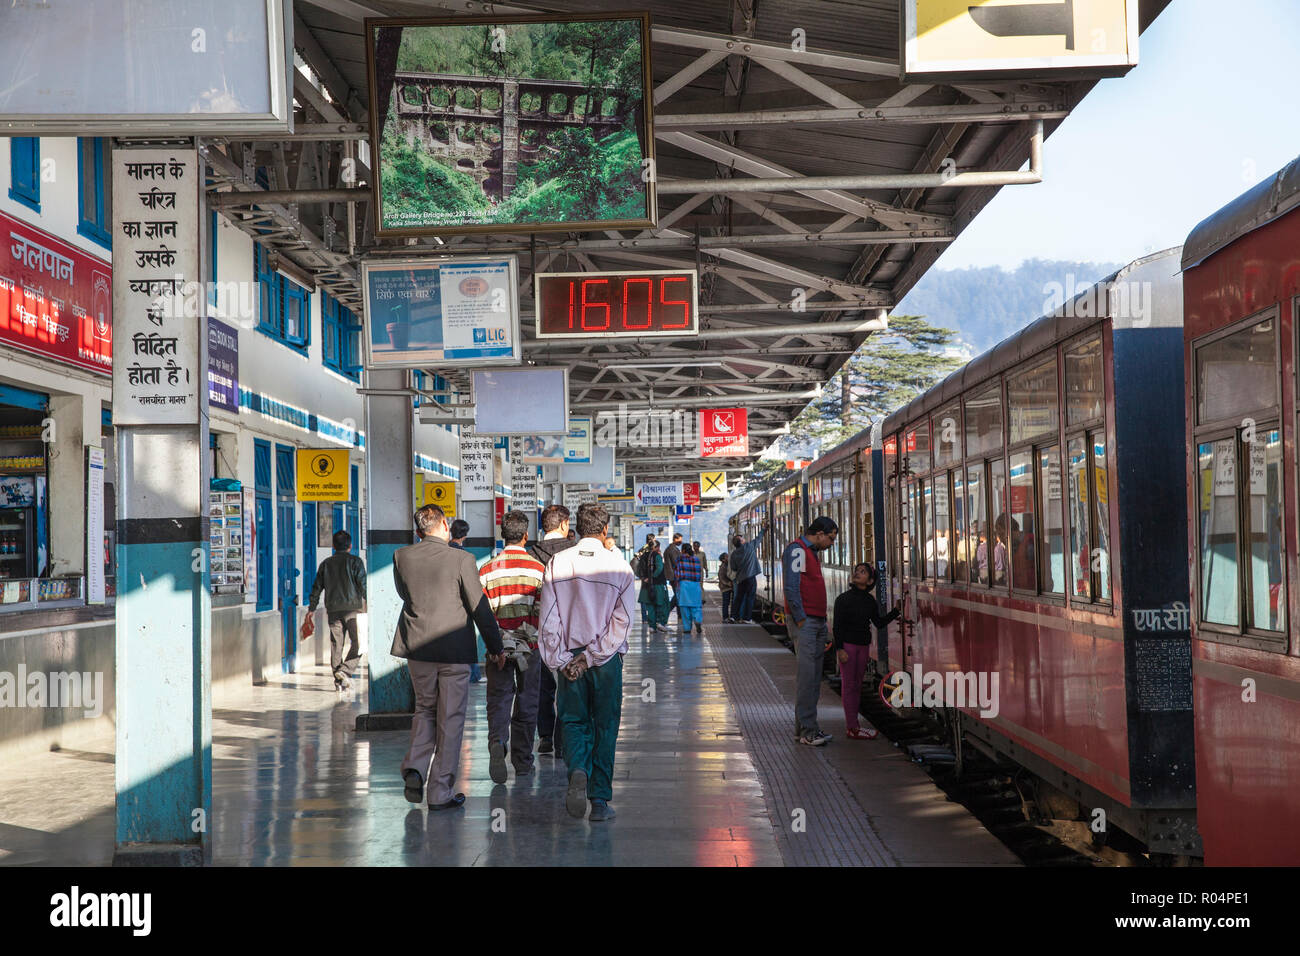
x: 1210, y: 110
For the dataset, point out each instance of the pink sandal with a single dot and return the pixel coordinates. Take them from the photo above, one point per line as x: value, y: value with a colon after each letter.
x: 862, y: 733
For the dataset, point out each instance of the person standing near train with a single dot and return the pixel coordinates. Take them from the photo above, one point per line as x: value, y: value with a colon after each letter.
x: 743, y: 561
x: 856, y: 611
x: 805, y: 616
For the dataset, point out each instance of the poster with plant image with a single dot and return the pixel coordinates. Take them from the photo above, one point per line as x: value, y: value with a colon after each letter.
x: 522, y: 124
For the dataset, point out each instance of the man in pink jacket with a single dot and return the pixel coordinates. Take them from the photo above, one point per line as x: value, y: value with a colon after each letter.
x: 587, y: 601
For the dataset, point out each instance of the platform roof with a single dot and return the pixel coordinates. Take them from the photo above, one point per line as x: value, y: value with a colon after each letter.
x: 734, y: 103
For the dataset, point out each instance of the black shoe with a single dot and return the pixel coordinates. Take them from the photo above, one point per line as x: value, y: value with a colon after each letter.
x: 523, y: 771
x: 414, y: 786
x: 455, y: 803
x: 497, y: 761
x: 575, y: 800
x: 545, y: 746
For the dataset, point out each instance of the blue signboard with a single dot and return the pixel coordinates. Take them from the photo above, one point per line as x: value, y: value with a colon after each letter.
x: 455, y: 311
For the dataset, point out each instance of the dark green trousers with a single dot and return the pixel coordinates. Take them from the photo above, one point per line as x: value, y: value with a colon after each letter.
x: 589, y: 710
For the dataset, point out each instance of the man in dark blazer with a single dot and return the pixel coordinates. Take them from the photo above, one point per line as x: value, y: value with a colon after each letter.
x: 442, y: 600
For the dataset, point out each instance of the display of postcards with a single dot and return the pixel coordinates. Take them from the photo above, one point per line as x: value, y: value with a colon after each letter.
x: 236, y: 538
x: 234, y: 554
x: 217, y: 521
x: 233, y: 510
x: 215, y: 510
x: 218, y: 564
x: 233, y: 497
x: 218, y: 538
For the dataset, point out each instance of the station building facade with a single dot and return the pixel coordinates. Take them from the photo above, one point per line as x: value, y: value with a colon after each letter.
x: 284, y: 373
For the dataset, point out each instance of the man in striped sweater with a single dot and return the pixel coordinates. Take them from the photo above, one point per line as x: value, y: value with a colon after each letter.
x: 511, y: 581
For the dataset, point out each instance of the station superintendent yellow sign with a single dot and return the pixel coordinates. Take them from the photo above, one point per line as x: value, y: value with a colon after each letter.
x: 323, y: 474
x: 951, y: 38
x: 713, y: 484
x: 442, y: 494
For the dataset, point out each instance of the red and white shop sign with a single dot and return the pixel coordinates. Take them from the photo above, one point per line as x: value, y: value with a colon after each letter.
x: 690, y: 493
x: 55, y: 300
x: 724, y: 432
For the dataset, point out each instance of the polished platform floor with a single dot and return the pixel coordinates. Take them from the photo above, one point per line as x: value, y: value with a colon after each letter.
x: 707, y: 774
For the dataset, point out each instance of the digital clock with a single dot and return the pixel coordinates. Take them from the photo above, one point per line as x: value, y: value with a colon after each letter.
x: 616, y: 304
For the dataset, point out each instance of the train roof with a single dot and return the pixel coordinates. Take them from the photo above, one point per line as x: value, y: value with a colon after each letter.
x: 1270, y: 200
x: 1104, y: 299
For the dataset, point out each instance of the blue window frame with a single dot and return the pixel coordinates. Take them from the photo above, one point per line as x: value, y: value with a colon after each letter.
x: 25, y: 171
x: 93, y: 202
x: 212, y: 257
x: 285, y: 306
x: 340, y: 338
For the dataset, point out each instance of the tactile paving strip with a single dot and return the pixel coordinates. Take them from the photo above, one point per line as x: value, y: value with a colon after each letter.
x: 835, y: 829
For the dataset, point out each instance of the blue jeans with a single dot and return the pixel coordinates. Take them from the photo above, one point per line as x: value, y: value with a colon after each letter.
x: 745, y: 592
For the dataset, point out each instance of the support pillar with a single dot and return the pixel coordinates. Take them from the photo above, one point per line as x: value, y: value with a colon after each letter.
x: 390, y: 489
x: 163, y: 763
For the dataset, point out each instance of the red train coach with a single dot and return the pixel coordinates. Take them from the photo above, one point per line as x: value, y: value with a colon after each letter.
x: 1241, y: 287
x: 1035, y: 514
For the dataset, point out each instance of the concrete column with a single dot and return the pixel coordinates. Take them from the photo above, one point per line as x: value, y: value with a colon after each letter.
x: 67, y: 483
x: 163, y: 763
x: 390, y: 480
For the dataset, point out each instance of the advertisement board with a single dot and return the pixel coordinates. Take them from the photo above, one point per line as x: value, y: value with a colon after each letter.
x: 223, y: 365
x: 511, y: 123
x: 422, y: 312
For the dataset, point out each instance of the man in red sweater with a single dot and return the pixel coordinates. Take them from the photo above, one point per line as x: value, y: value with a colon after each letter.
x: 805, y: 615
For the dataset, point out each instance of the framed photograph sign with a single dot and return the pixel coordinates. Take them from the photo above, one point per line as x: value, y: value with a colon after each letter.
x: 511, y: 124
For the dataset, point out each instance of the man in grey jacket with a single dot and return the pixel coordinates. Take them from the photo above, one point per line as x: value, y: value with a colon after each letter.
x: 743, y: 562
x: 442, y: 600
x: 341, y: 578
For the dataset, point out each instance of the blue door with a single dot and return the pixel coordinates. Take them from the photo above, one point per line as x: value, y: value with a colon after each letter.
x: 286, y: 552
x: 263, y: 528
x: 308, y: 549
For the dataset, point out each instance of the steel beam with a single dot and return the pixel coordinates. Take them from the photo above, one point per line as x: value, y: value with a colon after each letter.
x: 815, y: 116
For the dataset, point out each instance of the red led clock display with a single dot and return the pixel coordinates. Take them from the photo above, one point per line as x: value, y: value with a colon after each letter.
x: 615, y: 304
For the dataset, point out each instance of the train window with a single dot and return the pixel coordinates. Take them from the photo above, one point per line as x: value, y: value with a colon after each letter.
x: 978, y: 528
x: 918, y: 449
x: 1101, y: 530
x: 998, y: 506
x: 1237, y: 374
x: 1052, y: 537
x: 1217, y: 530
x: 984, y: 422
x: 1032, y: 402
x: 942, y: 543
x: 1264, y: 530
x: 1018, y: 530
x: 960, y: 526
x: 947, y: 435
x: 1080, y: 525
x: 1084, y: 391
x: 916, y: 550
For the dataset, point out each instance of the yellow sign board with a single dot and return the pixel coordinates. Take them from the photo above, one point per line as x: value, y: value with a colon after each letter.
x: 713, y: 484
x: 1010, y: 37
x: 442, y: 494
x: 323, y: 474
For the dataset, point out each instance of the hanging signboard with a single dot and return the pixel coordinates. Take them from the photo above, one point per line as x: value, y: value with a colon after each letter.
x: 616, y: 487
x: 724, y: 432
x: 477, y: 471
x: 713, y: 484
x: 649, y: 493
x: 948, y: 39
x: 575, y: 496
x: 323, y: 474
x: 156, y: 378
x: 577, y: 445
x: 558, y: 135
x: 55, y: 300
x: 690, y: 492
x: 455, y: 311
x: 521, y: 401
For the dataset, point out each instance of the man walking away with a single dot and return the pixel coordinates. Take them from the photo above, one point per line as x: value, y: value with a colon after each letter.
x: 725, y: 586
x: 341, y: 578
x: 587, y: 601
x: 555, y: 538
x: 856, y: 611
x: 690, y: 591
x: 703, y: 559
x: 511, y: 581
x: 459, y: 532
x: 442, y: 600
x: 805, y: 616
x: 653, y: 597
x: 744, y: 571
